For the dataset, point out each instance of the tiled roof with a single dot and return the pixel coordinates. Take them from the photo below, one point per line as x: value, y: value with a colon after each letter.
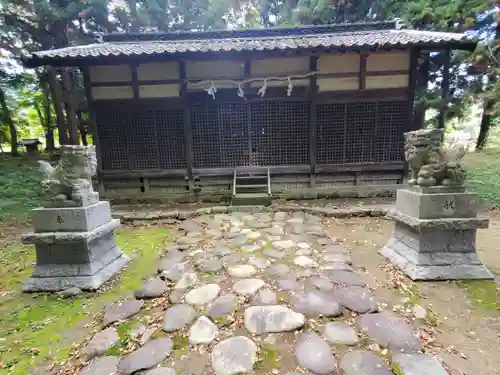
x: 330, y: 36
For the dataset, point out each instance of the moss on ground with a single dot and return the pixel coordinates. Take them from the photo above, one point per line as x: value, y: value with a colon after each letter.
x: 483, y: 175
x: 37, y: 328
x: 482, y: 293
x: 269, y: 358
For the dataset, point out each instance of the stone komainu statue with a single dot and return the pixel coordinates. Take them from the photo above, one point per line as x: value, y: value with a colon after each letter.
x: 429, y: 163
x: 69, y: 183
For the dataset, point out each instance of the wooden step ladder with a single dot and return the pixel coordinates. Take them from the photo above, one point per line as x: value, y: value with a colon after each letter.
x: 251, y: 187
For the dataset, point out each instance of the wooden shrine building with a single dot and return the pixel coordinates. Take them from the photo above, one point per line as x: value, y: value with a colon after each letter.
x: 186, y: 113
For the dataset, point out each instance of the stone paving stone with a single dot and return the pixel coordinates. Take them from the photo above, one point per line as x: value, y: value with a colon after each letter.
x: 203, y: 331
x: 202, y: 295
x: 101, y: 366
x: 264, y: 297
x: 304, y: 261
x: 283, y: 244
x: 320, y: 283
x: 210, y: 265
x: 272, y: 253
x: 418, y: 364
x: 340, y: 333
x: 289, y: 284
x: 100, y: 343
x: 234, y: 356
x: 314, y: 354
x: 223, y: 306
x: 172, y: 270
x: 271, y: 319
x: 242, y: 271
x: 345, y: 277
x: 187, y: 280
x: 121, y: 310
x: 360, y: 362
x: 384, y: 328
x: 261, y: 263
x: 277, y: 270
x: 177, y: 317
x: 151, y: 354
x: 357, y: 299
x: 161, y: 371
x: 151, y: 288
x: 314, y: 304
x: 340, y: 258
x: 248, y: 287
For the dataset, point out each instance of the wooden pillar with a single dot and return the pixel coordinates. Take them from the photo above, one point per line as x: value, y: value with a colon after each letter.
x: 92, y: 121
x: 412, y: 87
x: 362, y: 70
x: 135, y: 81
x: 312, y: 120
x: 186, y: 120
x: 445, y: 88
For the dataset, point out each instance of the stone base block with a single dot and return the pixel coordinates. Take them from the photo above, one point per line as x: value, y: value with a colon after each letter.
x: 71, y: 219
x: 435, y: 265
x: 90, y: 282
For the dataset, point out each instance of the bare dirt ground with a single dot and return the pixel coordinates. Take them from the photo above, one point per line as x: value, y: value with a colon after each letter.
x: 467, y: 336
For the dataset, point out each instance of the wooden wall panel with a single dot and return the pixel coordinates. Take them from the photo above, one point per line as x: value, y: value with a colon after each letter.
x: 338, y: 63
x: 338, y: 84
x: 381, y: 61
x: 386, y: 82
x: 159, y: 91
x: 279, y: 67
x: 153, y: 71
x: 214, y: 69
x: 112, y: 92
x: 110, y: 73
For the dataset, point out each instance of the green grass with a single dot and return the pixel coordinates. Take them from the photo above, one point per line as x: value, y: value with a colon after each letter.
x: 483, y: 175
x: 20, y: 187
x: 482, y: 293
x: 39, y: 324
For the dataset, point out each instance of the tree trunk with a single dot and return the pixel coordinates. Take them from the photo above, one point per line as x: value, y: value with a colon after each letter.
x: 49, y: 127
x: 67, y: 80
x: 55, y: 91
x: 422, y: 80
x: 82, y: 128
x: 12, y: 128
x: 484, y: 128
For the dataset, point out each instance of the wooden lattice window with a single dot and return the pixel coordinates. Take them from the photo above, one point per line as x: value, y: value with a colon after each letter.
x: 171, y: 142
x: 392, y: 120
x: 206, y: 142
x: 113, y: 144
x: 330, y: 133
x: 233, y: 131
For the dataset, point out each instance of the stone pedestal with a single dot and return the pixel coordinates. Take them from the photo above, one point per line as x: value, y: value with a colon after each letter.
x: 75, y: 247
x: 435, y: 234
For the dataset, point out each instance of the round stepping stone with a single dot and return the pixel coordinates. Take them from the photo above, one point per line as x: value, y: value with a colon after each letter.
x: 253, y: 235
x: 101, y: 366
x: 210, y: 265
x: 314, y: 354
x: 235, y: 355
x: 240, y: 240
x: 278, y: 270
x: 151, y: 288
x: 345, y: 277
x: 176, y: 295
x: 287, y: 284
x: 303, y: 261
x: 339, y: 258
x: 242, y: 271
x: 161, y: 371
x: 357, y: 299
x: 315, y: 230
x: 264, y: 297
x: 189, y: 226
x: 203, y: 331
x: 275, y: 254
x: 100, y: 343
x: 188, y: 240
x: 313, y: 304
x: 418, y: 364
x: 284, y: 244
x: 320, y: 283
x: 187, y: 280
x: 304, y: 252
x: 360, y: 362
x: 70, y: 292
x: 222, y: 306
x: 303, y: 245
x: 251, y: 248
x: 387, y: 329
x: 274, y: 231
x: 272, y: 319
x: 151, y: 354
x: 261, y: 263
x: 120, y: 311
x: 177, y: 317
x: 340, y: 333
x: 203, y: 295
x: 303, y: 273
x: 248, y: 287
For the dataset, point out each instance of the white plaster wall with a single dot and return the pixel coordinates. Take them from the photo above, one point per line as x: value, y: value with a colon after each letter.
x: 214, y: 69
x: 386, y: 82
x: 338, y: 84
x: 279, y: 66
